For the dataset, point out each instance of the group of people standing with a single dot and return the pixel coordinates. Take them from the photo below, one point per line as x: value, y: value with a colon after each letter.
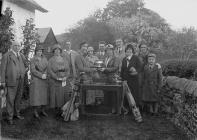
x: 50, y: 79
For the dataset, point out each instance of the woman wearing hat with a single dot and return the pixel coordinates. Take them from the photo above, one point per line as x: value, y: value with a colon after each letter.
x: 39, y: 84
x: 58, y: 70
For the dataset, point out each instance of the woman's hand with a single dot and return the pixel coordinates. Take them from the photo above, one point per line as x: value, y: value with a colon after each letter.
x: 44, y: 76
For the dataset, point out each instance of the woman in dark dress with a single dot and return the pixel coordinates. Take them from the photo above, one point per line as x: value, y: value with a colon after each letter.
x: 130, y: 69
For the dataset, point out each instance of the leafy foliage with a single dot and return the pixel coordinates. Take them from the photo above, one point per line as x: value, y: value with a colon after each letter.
x: 182, y: 69
x: 6, y: 32
x: 30, y: 37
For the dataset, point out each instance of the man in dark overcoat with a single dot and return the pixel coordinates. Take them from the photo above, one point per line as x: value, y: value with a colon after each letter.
x: 12, y: 77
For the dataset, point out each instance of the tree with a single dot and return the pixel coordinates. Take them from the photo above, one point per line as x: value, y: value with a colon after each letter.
x: 6, y: 31
x: 90, y: 30
x: 30, y: 37
x: 183, y: 42
x: 122, y: 8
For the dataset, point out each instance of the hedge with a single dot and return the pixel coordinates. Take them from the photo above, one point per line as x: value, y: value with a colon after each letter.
x: 182, y: 69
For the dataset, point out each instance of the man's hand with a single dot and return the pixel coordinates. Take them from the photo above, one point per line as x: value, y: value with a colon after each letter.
x: 44, y: 76
x: 158, y: 65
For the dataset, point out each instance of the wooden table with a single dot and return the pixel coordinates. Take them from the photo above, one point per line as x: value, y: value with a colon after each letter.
x: 116, y: 87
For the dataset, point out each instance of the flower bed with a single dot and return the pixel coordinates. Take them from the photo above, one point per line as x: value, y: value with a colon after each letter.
x: 179, y: 102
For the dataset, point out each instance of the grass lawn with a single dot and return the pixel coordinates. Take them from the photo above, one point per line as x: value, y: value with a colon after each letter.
x: 90, y: 128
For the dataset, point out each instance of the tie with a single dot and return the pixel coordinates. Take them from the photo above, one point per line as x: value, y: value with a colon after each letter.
x: 128, y: 62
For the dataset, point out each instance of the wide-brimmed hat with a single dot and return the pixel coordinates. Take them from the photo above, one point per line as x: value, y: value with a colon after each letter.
x: 56, y: 46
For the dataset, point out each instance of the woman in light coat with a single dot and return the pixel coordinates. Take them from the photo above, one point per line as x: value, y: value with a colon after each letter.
x: 59, y: 71
x: 39, y: 84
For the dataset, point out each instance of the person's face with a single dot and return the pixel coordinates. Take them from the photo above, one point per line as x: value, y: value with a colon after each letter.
x: 143, y: 49
x: 84, y: 49
x: 151, y: 60
x: 109, y: 52
x: 129, y: 52
x: 102, y: 47
x: 90, y: 52
x: 68, y: 45
x: 16, y: 48
x: 39, y: 52
x: 119, y: 42
x: 136, y: 49
x: 57, y: 51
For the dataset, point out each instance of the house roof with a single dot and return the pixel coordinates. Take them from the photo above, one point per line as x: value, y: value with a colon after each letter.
x: 32, y: 4
x: 43, y: 33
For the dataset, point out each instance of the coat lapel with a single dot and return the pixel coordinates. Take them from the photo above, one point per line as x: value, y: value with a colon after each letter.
x: 13, y: 57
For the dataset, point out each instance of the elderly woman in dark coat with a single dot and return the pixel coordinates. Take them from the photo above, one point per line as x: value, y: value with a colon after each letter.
x: 39, y: 84
x: 58, y: 70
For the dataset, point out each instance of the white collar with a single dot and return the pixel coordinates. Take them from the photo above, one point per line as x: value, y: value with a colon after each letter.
x: 129, y: 57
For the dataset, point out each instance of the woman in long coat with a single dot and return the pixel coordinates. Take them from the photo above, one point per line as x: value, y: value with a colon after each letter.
x: 39, y: 84
x: 130, y: 69
x: 58, y: 70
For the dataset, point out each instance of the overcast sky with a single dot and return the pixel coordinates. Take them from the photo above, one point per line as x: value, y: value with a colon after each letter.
x: 64, y: 14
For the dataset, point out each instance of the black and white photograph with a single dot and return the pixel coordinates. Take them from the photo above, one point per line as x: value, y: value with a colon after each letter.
x: 98, y: 70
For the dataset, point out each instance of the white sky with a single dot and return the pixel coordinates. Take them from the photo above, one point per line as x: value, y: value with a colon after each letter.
x: 65, y: 13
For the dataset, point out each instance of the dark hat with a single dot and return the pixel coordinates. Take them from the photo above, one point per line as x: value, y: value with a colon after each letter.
x: 152, y: 55
x: 56, y: 46
x: 109, y: 46
x: 39, y: 47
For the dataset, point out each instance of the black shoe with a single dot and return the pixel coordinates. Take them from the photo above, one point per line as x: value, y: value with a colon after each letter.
x: 20, y: 117
x: 10, y: 122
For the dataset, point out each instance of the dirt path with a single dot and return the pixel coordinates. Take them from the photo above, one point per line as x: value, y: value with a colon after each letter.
x: 90, y: 128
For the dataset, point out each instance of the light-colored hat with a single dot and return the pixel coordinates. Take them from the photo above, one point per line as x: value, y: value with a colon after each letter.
x: 152, y: 55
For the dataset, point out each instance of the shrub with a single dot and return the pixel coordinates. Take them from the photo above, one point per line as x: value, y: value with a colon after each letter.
x: 182, y: 69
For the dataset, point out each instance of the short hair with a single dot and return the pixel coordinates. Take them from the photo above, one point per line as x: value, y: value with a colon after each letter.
x: 81, y: 44
x: 129, y: 46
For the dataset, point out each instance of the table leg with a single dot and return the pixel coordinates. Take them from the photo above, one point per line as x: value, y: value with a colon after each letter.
x: 118, y: 101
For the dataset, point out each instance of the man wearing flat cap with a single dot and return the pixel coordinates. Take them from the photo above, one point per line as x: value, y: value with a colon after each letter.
x: 12, y: 77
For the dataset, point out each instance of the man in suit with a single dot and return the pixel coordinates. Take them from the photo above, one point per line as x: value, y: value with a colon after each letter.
x: 82, y: 66
x: 12, y: 77
x: 70, y: 56
x: 119, y: 51
x: 101, y: 52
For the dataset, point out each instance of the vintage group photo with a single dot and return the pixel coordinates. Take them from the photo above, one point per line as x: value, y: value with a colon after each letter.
x: 98, y: 70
